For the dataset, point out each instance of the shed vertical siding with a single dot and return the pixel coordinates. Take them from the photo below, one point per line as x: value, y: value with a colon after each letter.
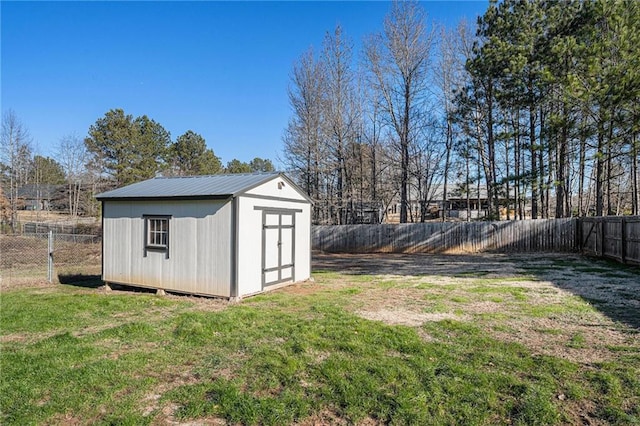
x: 303, y: 243
x: 250, y: 241
x: 270, y: 195
x: 249, y: 247
x: 199, y: 258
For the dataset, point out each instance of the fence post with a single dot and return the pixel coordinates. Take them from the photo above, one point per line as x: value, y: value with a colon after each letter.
x: 50, y: 258
x: 623, y: 240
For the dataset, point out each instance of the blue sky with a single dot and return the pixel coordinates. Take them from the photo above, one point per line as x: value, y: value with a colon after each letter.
x: 220, y: 69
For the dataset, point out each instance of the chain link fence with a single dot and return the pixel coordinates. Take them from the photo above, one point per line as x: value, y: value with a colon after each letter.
x: 49, y: 257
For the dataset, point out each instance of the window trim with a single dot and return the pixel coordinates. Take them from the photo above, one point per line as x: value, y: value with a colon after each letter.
x: 147, y: 234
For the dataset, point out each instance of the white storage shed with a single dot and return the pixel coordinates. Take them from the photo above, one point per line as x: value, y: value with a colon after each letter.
x: 226, y: 235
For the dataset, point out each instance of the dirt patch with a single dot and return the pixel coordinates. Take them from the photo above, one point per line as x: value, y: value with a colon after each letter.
x: 325, y: 417
x: 305, y: 288
x: 25, y: 338
x: 212, y: 304
x: 15, y: 283
x: 404, y: 317
x: 537, y: 301
x: 151, y: 402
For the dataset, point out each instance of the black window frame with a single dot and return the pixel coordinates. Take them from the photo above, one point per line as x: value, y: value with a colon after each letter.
x: 148, y: 243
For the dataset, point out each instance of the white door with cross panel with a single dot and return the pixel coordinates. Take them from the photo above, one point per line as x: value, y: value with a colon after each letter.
x: 278, y: 246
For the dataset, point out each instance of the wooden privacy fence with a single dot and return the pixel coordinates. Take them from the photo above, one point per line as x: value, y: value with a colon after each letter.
x: 614, y: 237
x: 557, y: 235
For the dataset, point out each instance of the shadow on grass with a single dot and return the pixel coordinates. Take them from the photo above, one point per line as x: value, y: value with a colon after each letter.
x: 610, y: 287
x: 414, y: 264
x: 95, y: 282
x: 81, y: 280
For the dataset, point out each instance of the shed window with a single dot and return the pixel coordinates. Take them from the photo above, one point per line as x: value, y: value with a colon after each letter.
x: 157, y: 234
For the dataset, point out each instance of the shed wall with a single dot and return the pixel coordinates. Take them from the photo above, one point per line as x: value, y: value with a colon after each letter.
x: 200, y: 235
x: 277, y: 188
x: 250, y: 238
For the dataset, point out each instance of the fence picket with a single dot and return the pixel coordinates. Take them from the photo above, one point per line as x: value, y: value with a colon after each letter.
x: 613, y: 237
x: 449, y: 237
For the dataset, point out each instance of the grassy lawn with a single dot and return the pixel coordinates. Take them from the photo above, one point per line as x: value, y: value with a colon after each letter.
x: 510, y: 345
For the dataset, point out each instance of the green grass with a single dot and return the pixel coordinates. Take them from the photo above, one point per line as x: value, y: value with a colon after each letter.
x: 71, y: 355
x: 573, y: 305
x: 436, y: 306
x: 550, y: 331
x: 472, y: 274
x: 577, y: 341
x: 495, y: 292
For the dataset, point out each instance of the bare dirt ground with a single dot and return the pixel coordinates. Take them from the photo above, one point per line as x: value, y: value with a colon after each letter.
x: 54, y: 217
x: 536, y: 300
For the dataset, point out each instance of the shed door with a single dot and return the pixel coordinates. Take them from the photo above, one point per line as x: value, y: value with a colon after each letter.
x: 278, y: 245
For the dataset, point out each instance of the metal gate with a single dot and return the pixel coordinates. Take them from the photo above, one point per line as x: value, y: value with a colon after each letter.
x: 278, y: 246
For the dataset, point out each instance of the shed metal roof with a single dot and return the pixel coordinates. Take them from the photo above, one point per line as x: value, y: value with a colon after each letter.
x: 214, y: 186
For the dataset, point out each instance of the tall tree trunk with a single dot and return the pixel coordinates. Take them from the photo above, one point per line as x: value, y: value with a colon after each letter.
x: 561, y: 170
x: 517, y: 165
x: 609, y: 170
x: 534, y: 162
x: 447, y: 164
x: 582, y: 208
x: 492, y: 195
x: 404, y: 148
x: 608, y: 196
x: 634, y: 176
x: 340, y: 188
x: 600, y: 172
x: 508, y: 187
x: 542, y: 208
x: 468, y: 180
x: 478, y: 190
x: 76, y: 206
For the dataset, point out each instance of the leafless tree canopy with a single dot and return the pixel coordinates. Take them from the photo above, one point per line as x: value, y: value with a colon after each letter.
x: 16, y: 155
x: 532, y: 113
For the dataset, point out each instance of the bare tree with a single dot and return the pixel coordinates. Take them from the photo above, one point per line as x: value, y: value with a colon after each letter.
x: 303, y: 149
x: 427, y: 158
x: 340, y: 117
x: 371, y: 161
x: 16, y: 156
x: 398, y: 62
x: 72, y: 155
x: 449, y: 77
